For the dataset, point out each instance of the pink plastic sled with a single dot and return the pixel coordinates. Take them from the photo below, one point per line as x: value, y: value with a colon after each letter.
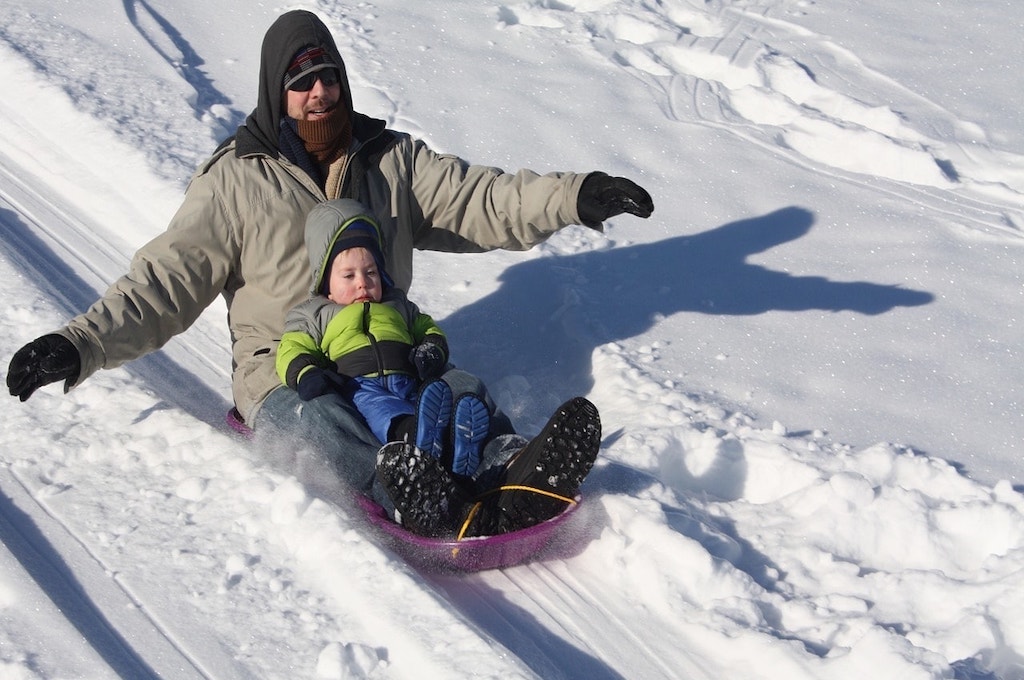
x: 437, y: 554
x: 470, y: 554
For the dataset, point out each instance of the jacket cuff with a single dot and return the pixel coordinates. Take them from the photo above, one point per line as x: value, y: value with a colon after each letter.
x: 90, y: 353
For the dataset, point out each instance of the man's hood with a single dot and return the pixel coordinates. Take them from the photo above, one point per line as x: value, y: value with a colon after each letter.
x: 291, y: 32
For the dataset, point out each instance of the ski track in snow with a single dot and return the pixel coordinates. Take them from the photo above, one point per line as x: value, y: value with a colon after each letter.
x: 766, y: 526
x: 761, y: 78
x: 75, y: 580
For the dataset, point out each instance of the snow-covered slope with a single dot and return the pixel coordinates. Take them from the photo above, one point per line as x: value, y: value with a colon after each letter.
x: 808, y: 360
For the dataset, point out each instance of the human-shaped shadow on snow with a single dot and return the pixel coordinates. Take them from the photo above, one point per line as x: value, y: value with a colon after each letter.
x: 549, y: 314
x: 160, y: 33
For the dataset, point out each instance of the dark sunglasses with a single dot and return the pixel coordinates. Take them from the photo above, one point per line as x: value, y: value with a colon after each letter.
x: 328, y: 77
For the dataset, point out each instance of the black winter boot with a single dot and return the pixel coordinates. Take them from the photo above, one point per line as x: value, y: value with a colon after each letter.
x: 544, y: 477
x: 428, y: 497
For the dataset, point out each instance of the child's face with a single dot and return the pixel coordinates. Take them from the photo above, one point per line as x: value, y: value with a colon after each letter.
x: 354, y: 277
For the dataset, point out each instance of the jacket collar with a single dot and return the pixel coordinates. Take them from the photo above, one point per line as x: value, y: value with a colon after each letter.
x: 364, y: 131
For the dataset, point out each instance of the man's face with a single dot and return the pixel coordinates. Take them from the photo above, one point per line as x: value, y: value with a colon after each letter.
x: 316, y: 102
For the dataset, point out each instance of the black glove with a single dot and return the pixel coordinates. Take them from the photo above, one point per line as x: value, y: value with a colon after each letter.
x: 316, y: 382
x: 43, y: 361
x: 430, y: 357
x: 602, y: 197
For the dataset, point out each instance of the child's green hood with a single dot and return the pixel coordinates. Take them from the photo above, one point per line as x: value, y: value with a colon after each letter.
x: 335, y: 226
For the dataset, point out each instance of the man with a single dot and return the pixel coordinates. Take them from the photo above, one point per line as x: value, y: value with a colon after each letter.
x: 239, y: 234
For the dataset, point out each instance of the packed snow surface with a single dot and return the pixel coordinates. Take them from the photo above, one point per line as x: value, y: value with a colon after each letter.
x: 808, y: 360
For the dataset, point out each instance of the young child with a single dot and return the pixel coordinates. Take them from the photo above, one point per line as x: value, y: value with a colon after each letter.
x: 359, y: 335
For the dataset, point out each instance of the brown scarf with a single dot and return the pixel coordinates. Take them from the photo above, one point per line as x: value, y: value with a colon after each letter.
x: 328, y: 138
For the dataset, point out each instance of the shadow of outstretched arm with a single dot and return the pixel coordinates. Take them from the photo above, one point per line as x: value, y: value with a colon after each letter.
x: 550, y: 313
